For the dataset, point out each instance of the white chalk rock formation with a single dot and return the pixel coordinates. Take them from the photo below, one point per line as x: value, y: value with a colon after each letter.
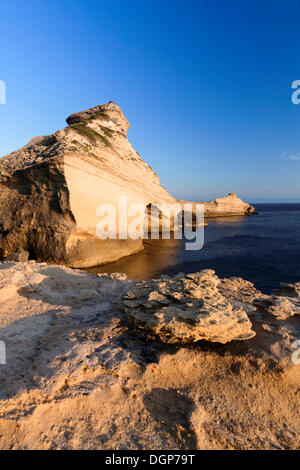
x: 50, y: 190
x: 229, y: 205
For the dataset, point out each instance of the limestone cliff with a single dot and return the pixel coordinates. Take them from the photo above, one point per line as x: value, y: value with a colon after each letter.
x: 51, y: 188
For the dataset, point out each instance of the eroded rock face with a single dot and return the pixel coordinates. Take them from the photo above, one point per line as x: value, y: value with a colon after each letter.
x: 50, y: 190
x: 187, y: 308
x: 283, y: 303
x: 227, y: 206
x: 35, y: 213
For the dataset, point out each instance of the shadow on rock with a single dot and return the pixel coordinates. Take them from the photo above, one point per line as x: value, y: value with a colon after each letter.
x: 171, y: 409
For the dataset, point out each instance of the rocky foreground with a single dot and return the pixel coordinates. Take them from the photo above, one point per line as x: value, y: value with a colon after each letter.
x: 182, y: 362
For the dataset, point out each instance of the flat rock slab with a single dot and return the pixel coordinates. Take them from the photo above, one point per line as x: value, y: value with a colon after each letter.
x: 187, y: 308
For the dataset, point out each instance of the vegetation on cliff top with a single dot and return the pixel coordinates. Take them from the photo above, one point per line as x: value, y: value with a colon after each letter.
x: 90, y: 134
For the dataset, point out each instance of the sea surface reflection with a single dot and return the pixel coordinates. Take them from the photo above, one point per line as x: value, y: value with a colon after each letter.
x: 264, y: 249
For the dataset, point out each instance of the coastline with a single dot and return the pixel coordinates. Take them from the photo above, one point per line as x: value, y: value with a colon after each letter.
x: 54, y: 190
x: 186, y: 352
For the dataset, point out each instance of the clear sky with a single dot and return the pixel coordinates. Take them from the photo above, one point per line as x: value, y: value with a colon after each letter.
x: 205, y: 85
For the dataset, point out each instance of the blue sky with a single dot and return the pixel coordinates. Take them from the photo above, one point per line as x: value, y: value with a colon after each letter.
x: 205, y: 85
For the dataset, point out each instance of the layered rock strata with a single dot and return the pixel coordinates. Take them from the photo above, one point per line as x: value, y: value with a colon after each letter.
x: 51, y: 189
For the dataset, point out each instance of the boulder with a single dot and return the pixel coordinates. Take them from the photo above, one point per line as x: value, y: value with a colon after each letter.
x: 283, y: 303
x: 187, y: 308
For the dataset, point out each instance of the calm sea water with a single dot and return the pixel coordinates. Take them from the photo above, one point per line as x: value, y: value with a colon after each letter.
x: 263, y: 248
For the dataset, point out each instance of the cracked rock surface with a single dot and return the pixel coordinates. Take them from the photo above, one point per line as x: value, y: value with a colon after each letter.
x: 80, y: 375
x: 187, y: 308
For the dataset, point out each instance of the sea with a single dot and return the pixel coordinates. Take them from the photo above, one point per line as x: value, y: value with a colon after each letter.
x: 263, y: 248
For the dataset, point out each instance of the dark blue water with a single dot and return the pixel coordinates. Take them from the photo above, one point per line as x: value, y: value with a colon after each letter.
x: 263, y: 248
